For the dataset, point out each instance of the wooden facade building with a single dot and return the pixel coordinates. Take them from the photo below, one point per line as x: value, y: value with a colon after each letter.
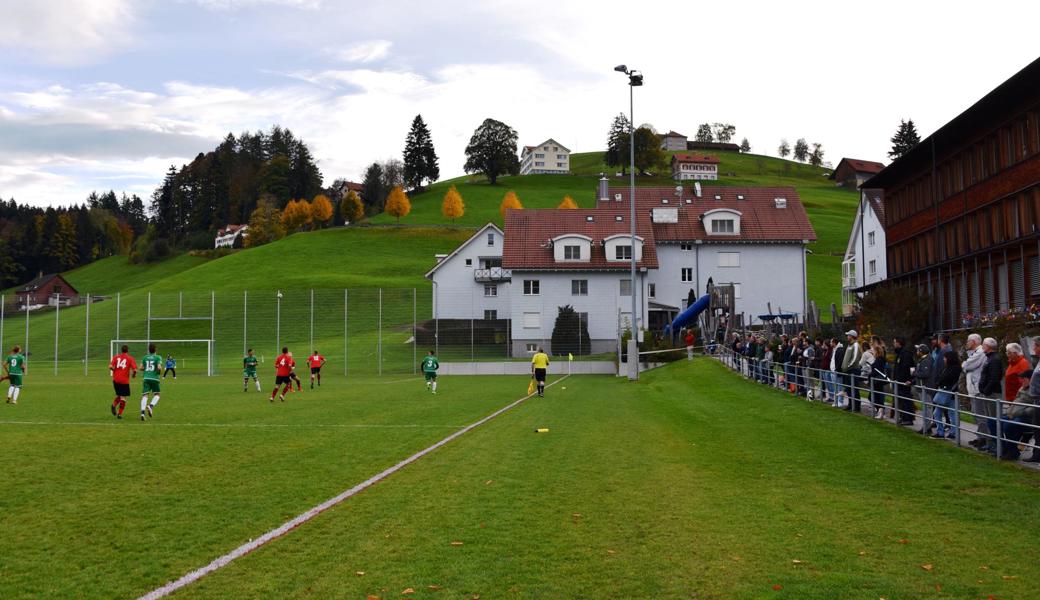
x: 962, y: 209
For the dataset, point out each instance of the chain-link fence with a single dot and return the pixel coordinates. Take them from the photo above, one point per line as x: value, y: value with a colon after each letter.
x: 365, y: 331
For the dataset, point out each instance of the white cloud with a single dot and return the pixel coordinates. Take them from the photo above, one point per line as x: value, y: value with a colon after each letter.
x: 237, y: 4
x: 364, y: 52
x: 65, y: 32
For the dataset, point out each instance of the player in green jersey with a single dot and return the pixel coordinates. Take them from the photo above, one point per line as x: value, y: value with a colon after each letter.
x: 249, y: 370
x: 151, y: 365
x: 429, y: 368
x: 14, y: 369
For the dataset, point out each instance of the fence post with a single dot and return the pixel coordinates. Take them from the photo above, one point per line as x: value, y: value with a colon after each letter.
x: 26, y: 328
x: 245, y: 321
x: 345, y: 314
x: 57, y: 319
x: 379, y: 342
x: 148, y: 329
x: 278, y: 323
x: 86, y: 339
x: 212, y: 331
x: 311, y: 349
x: 1, y: 321
x: 118, y: 298
x: 180, y: 304
x: 415, y: 332
x: 1000, y: 428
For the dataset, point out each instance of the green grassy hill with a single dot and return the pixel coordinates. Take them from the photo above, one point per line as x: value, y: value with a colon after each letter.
x: 831, y: 209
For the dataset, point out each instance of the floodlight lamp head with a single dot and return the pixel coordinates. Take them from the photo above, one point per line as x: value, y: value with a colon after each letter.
x: 635, y: 79
x: 621, y: 69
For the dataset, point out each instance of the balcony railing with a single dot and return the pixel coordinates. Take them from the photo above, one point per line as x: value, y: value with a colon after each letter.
x: 494, y: 274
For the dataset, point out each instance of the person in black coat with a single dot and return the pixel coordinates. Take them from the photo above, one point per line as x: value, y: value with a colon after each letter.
x: 946, y: 397
x: 902, y: 375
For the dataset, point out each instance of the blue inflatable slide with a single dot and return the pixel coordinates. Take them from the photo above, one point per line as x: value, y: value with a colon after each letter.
x: 689, y: 316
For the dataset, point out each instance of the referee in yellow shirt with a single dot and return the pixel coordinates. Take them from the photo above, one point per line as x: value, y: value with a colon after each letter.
x: 539, y: 365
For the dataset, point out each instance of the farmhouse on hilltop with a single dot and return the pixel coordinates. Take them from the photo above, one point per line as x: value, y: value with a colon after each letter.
x: 687, y: 165
x: 852, y: 172
x: 542, y: 260
x: 231, y: 236
x: 549, y: 157
x: 865, y: 262
x: 673, y: 142
x: 47, y: 289
x: 962, y: 208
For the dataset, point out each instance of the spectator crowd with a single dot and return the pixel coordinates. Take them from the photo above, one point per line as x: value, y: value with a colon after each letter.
x: 899, y: 382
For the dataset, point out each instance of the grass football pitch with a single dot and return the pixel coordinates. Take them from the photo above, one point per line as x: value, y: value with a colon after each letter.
x: 691, y: 483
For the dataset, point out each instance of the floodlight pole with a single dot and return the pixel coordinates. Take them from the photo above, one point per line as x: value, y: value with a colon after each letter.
x: 634, y: 78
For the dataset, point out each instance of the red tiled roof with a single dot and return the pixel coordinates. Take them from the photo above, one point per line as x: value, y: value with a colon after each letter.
x: 527, y: 233
x: 760, y: 219
x: 862, y: 166
x: 876, y: 198
x: 689, y: 157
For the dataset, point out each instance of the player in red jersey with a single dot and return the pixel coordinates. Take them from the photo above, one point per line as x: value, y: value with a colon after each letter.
x: 315, y: 361
x: 122, y: 368
x: 293, y: 377
x: 283, y: 366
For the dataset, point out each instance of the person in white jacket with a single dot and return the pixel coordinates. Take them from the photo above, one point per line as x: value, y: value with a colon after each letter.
x: 972, y: 370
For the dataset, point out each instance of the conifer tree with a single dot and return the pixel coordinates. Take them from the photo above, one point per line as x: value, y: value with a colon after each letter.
x: 745, y: 146
x: 617, y: 144
x: 904, y: 140
x: 420, y: 159
x: 453, y: 207
x: 568, y: 203
x: 784, y: 149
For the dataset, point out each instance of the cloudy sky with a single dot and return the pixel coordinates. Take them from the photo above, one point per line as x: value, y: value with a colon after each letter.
x: 106, y: 94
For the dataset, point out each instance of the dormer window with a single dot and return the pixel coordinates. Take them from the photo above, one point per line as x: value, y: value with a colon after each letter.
x: 722, y: 221
x: 572, y: 247
x: 618, y: 247
x: 722, y: 226
x: 623, y: 252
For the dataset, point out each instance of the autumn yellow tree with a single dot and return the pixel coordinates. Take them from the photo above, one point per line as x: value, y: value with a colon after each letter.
x: 321, y: 210
x: 397, y: 203
x: 296, y: 215
x: 265, y: 224
x: 510, y: 200
x: 351, y: 209
x: 568, y: 202
x: 453, y: 207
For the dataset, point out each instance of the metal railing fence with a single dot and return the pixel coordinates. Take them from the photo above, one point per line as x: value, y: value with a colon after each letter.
x: 1002, y: 426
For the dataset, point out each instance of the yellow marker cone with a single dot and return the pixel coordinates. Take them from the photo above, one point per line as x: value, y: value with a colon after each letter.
x: 570, y: 356
x: 542, y: 430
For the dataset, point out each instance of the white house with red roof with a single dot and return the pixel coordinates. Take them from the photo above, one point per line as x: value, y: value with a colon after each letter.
x: 753, y: 238
x: 693, y: 166
x: 550, y: 157
x: 231, y: 236
x: 866, y: 258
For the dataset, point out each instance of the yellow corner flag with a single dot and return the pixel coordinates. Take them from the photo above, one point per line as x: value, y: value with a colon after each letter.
x: 570, y: 356
x: 530, y: 387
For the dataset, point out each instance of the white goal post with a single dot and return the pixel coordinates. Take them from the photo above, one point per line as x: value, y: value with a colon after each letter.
x: 114, y: 344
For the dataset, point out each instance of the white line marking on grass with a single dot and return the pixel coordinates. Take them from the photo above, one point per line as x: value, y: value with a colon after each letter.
x: 401, y: 380
x: 288, y: 526
x: 242, y: 425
